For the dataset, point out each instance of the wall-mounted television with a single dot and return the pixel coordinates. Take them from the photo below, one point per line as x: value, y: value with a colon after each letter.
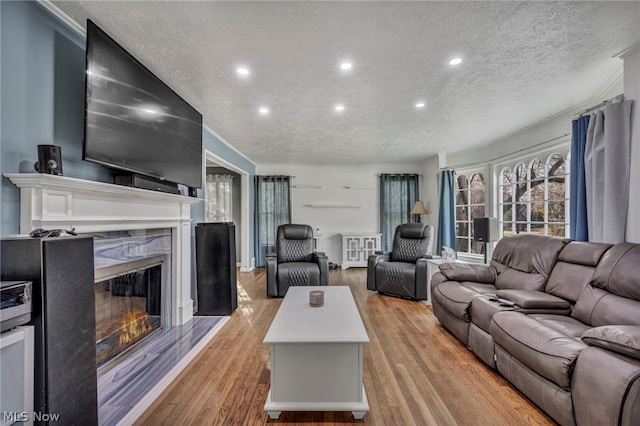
x: 133, y: 121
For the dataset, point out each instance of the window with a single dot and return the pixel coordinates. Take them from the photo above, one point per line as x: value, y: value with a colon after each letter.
x: 532, y: 198
x: 471, y: 202
x: 272, y: 209
x: 219, y: 198
x: 398, y: 194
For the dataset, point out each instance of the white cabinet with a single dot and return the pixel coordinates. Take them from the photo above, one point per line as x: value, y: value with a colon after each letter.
x: 357, y: 247
x: 16, y: 375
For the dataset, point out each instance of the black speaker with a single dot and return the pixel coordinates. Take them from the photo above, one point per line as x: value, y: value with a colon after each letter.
x: 485, y: 229
x: 146, y: 182
x: 216, y: 268
x: 49, y: 160
x: 62, y: 272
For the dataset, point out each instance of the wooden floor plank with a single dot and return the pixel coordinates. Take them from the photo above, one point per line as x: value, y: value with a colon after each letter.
x: 415, y: 372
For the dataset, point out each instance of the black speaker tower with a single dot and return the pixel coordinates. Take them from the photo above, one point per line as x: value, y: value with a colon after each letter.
x: 216, y: 268
x: 62, y: 272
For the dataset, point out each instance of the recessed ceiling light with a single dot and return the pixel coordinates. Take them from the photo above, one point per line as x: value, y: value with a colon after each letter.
x: 339, y: 107
x: 420, y: 105
x: 263, y: 110
x: 346, y: 66
x: 242, y: 71
x: 455, y: 61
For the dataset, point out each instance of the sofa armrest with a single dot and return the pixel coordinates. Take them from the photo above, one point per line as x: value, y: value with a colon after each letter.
x: 372, y: 261
x: 456, y: 271
x: 317, y: 255
x: 377, y: 258
x: 323, y: 263
x: 422, y: 278
x: 272, y: 270
x: 623, y: 339
x: 531, y: 299
x: 388, y: 253
x: 605, y: 388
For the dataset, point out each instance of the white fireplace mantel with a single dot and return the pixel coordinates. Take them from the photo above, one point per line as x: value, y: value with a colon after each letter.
x: 59, y: 202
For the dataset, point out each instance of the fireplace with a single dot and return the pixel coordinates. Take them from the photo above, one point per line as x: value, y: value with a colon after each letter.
x: 128, y: 308
x: 118, y: 212
x: 60, y: 202
x: 131, y: 282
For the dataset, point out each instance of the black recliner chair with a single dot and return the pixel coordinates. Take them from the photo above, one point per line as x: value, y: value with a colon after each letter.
x: 294, y: 263
x: 403, y: 271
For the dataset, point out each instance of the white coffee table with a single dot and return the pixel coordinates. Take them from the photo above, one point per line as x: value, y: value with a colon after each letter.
x: 316, y: 354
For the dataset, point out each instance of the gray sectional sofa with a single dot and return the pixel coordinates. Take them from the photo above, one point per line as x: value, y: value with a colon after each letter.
x: 559, y: 319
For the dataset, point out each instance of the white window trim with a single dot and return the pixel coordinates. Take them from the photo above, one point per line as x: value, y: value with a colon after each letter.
x: 492, y: 169
x: 484, y: 169
x: 562, y: 147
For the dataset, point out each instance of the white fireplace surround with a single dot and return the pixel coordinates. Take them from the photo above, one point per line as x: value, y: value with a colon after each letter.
x: 58, y: 202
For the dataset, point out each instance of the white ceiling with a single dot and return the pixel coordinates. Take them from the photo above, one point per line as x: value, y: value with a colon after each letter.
x: 522, y: 62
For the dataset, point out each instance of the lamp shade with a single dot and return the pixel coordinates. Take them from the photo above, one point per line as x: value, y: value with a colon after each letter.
x: 419, y: 208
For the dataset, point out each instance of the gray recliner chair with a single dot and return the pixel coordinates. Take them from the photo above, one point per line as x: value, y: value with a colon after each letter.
x: 403, y: 271
x: 294, y: 263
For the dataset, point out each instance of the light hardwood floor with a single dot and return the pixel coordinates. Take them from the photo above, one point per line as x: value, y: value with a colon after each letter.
x: 415, y: 372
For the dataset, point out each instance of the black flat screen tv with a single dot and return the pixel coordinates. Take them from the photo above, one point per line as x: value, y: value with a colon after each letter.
x: 133, y: 121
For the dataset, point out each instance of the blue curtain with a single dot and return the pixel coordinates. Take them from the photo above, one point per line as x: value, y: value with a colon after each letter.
x: 447, y: 214
x: 579, y: 229
x: 272, y: 209
x: 398, y: 194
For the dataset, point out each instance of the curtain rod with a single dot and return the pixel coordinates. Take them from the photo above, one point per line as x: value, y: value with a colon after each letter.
x: 614, y: 100
x: 399, y: 174
x: 502, y: 157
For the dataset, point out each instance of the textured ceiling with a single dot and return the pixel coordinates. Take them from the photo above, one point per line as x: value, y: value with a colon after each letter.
x: 522, y: 62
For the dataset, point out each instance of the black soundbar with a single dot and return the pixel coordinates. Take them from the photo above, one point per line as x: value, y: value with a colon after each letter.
x: 145, y: 182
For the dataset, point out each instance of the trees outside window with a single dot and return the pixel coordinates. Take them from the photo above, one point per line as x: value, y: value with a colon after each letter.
x: 532, y: 197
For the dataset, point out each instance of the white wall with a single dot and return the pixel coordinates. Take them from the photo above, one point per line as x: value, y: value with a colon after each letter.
x: 632, y: 91
x: 430, y: 192
x: 364, y: 216
x: 557, y: 130
x: 552, y: 131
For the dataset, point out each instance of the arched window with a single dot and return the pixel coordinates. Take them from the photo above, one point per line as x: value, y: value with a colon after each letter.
x: 506, y: 191
x: 532, y: 199
x: 470, y: 203
x: 557, y: 196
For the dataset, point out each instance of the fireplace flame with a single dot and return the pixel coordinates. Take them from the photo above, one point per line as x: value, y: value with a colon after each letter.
x: 134, y: 324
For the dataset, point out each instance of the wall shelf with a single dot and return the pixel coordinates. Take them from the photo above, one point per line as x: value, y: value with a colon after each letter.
x: 308, y: 186
x: 333, y: 206
x: 357, y: 187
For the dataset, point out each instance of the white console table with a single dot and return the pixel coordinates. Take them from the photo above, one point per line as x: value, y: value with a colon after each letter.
x: 16, y: 375
x: 357, y: 247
